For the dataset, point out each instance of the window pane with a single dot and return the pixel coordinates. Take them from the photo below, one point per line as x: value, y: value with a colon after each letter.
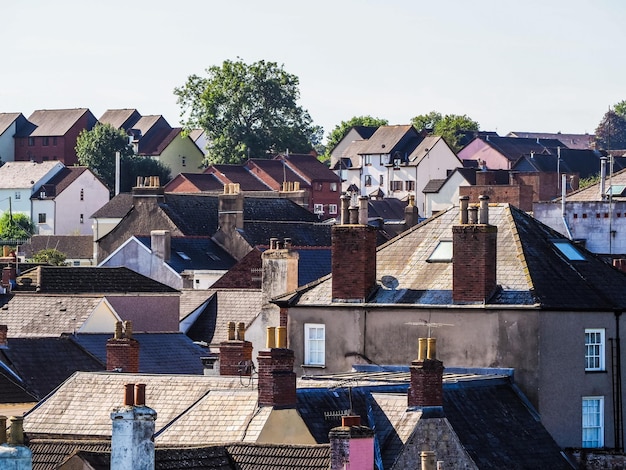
x: 593, y: 428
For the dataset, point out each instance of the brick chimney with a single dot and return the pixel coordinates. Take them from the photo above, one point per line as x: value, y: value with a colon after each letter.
x: 14, y: 454
x: 236, y: 352
x: 230, y: 208
x: 353, y: 261
x: 426, y: 388
x: 277, y: 380
x: 351, y: 445
x: 411, y: 214
x: 161, y: 243
x: 474, y: 246
x: 279, y: 273
x: 4, y: 341
x: 148, y: 187
x: 132, y: 442
x: 123, y: 349
x: 9, y: 275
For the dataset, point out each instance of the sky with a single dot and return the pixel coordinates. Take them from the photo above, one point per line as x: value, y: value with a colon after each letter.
x: 534, y: 66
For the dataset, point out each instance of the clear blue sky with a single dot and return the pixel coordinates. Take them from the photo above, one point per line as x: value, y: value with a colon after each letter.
x: 542, y: 66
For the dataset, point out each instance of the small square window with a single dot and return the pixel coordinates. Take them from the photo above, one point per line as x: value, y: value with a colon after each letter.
x: 76, y: 263
x: 42, y: 218
x: 318, y: 208
x: 368, y: 180
x: 409, y: 185
x: 332, y: 208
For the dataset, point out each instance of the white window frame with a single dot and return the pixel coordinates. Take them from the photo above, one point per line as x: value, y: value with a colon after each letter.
x: 18, y: 195
x: 595, y: 349
x: 314, y: 348
x: 332, y: 208
x: 318, y: 208
x: 592, y: 422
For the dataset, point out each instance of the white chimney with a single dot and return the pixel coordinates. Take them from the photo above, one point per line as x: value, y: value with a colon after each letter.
x: 14, y: 455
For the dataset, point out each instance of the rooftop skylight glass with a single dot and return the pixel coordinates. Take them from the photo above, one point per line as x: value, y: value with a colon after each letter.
x: 569, y: 250
x: 442, y: 252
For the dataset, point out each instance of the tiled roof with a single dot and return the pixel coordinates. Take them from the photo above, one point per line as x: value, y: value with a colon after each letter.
x: 6, y: 119
x: 48, y: 454
x: 387, y: 209
x: 309, y: 167
x: 20, y: 175
x: 279, y: 457
x: 192, y: 299
x: 158, y: 141
x: 73, y: 246
x: 11, y: 391
x: 433, y: 186
x: 30, y: 314
x: 278, y: 171
x: 116, y: 208
x: 45, y: 363
x: 159, y: 353
x: 55, y: 122
x: 120, y: 118
x: 239, y: 174
x: 531, y: 271
x: 573, y: 141
x: 65, y: 177
x: 514, y: 147
x: 592, y: 192
x: 387, y: 139
x: 246, y: 274
x: 202, y: 181
x: 90, y: 279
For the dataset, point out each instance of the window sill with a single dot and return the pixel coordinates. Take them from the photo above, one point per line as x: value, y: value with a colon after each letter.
x: 596, y: 371
x: 313, y: 366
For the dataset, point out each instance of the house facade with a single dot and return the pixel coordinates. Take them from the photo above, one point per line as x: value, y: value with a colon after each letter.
x: 10, y: 124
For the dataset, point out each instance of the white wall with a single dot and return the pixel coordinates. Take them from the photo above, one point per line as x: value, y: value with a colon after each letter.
x: 447, y: 196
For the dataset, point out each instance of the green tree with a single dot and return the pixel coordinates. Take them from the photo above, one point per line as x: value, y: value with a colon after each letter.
x: 344, y: 127
x: 135, y: 166
x: 96, y: 149
x: 620, y: 108
x: 50, y: 256
x: 449, y: 126
x: 15, y: 226
x: 611, y: 132
x: 247, y: 110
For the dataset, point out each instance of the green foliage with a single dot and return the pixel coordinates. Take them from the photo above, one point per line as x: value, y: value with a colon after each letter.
x: 96, y: 149
x: 247, y: 110
x: 611, y: 132
x: 620, y: 108
x: 589, y: 181
x: 50, y: 256
x: 448, y: 126
x: 16, y: 226
x: 342, y: 129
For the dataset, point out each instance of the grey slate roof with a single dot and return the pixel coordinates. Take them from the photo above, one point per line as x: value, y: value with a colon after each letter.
x: 159, y: 353
x: 11, y: 391
x: 531, y: 271
x: 514, y: 147
x: 73, y: 246
x: 279, y: 457
x: 584, y: 162
x: 49, y: 453
x: 116, y: 208
x: 433, y: 186
x: 387, y: 209
x: 258, y: 233
x: 56, y: 122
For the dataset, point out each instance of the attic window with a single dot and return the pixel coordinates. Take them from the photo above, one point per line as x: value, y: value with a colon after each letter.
x: 568, y: 250
x: 616, y: 190
x: 183, y: 255
x: 442, y: 252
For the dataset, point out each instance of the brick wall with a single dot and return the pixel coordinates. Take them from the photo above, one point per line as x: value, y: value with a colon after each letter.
x: 426, y: 387
x: 277, y: 380
x: 123, y: 354
x: 520, y: 196
x: 234, y: 356
x: 3, y: 335
x: 353, y: 262
x: 474, y: 268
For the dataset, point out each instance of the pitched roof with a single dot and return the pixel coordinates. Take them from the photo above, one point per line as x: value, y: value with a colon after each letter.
x: 434, y: 185
x: 202, y: 181
x: 239, y: 174
x: 278, y: 171
x: 585, y: 163
x: 157, y: 141
x: 258, y: 233
x: 279, y: 456
x: 20, y: 175
x: 387, y: 139
x: 531, y: 271
x: 89, y: 279
x: 117, y: 207
x: 44, y: 363
x: 514, y: 147
x: 49, y: 453
x: 55, y: 122
x: 309, y: 167
x: 73, y: 246
x: 592, y: 192
x: 61, y: 180
x: 159, y: 353
x: 573, y: 141
x: 387, y: 209
x: 11, y: 391
x: 120, y: 118
x: 6, y: 119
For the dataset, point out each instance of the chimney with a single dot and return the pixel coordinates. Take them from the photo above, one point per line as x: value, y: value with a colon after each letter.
x: 345, y: 205
x: 474, y: 246
x: 9, y: 276
x: 132, y: 442
x: 277, y: 380
x: 14, y: 454
x: 230, y: 208
x: 363, y: 210
x: 428, y: 459
x: 236, y: 352
x: 351, y: 445
x: 426, y: 387
x: 123, y: 349
x: 279, y: 272
x: 161, y: 243
x: 411, y: 214
x: 150, y: 187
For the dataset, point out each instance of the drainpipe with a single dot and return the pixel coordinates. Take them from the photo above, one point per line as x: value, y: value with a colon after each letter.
x: 617, y: 388
x: 563, y: 195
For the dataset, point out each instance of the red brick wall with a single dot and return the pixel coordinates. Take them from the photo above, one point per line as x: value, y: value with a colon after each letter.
x: 3, y: 335
x: 123, y: 354
x: 353, y: 261
x: 277, y: 380
x: 474, y: 258
x: 426, y: 387
x: 519, y: 196
x: 233, y: 355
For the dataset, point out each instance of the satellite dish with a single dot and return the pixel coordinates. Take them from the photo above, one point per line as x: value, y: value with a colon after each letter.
x: 389, y: 282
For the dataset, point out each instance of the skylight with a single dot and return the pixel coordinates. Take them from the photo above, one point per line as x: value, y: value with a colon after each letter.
x: 442, y: 252
x: 183, y: 255
x: 568, y: 250
x: 616, y: 190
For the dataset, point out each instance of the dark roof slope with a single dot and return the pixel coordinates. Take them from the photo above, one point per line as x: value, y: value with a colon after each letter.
x: 72, y: 246
x: 310, y: 167
x: 241, y: 175
x: 258, y: 233
x: 6, y: 119
x: 56, y: 122
x: 116, y: 208
x: 11, y: 391
x: 279, y: 456
x: 120, y: 118
x: 584, y: 162
x: 193, y: 253
x: 48, y: 454
x: 514, y: 147
x: 387, y: 208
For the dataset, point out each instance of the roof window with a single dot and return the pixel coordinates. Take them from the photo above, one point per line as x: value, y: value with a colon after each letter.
x: 442, y: 252
x: 568, y: 250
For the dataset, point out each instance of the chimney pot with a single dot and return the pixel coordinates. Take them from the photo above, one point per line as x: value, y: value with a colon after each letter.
x: 463, y: 204
x: 345, y: 205
x: 473, y: 215
x: 432, y: 348
x: 271, y: 337
x: 428, y: 460
x: 3, y: 429
x: 231, y: 331
x: 140, y: 394
x: 241, y: 331
x: 363, y: 213
x: 118, y: 330
x: 421, y: 349
x: 484, y: 209
x: 16, y: 431
x: 281, y: 337
x: 129, y: 394
x: 128, y: 329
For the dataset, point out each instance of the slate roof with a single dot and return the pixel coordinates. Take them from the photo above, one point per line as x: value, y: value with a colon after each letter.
x: 203, y: 253
x: 157, y: 141
x: 55, y: 122
x: 239, y: 174
x: 6, y: 119
x: 309, y: 166
x: 45, y: 363
x: 61, y: 180
x: 116, y: 208
x: 11, y: 391
x: 49, y: 453
x: 258, y: 233
x: 387, y: 139
x: 120, y: 118
x: 592, y: 192
x: 19, y: 175
x: 572, y: 141
x: 433, y: 186
x: 514, y: 147
x: 159, y: 353
x: 584, y: 162
x: 279, y: 457
x: 192, y: 299
x: 387, y: 209
x: 73, y: 246
x: 531, y: 271
x: 89, y: 279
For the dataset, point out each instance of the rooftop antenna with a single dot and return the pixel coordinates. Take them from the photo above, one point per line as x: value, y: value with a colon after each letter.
x: 429, y: 324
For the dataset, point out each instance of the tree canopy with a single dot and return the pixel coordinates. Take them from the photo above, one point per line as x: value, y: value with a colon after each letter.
x: 96, y: 149
x: 15, y: 226
x: 611, y: 132
x: 340, y: 130
x: 247, y: 110
x: 50, y: 256
x: 449, y: 126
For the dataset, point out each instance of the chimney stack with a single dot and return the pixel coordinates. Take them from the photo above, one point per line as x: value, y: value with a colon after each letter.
x: 474, y: 249
x: 277, y: 380
x: 14, y: 454
x: 351, y: 445
x: 132, y: 442
x: 426, y: 387
x: 9, y: 275
x: 123, y: 350
x: 279, y: 273
x: 161, y: 243
x: 230, y: 208
x: 363, y: 210
x: 236, y: 352
x: 411, y: 214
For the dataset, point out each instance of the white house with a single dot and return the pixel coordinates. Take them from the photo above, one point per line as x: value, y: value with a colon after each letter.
x: 442, y: 194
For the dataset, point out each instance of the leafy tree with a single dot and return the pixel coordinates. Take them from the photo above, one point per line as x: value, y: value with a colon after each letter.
x: 449, y: 126
x: 620, y: 108
x: 15, y: 226
x: 50, y: 256
x: 611, y: 132
x: 247, y: 110
x: 96, y: 149
x: 342, y: 129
